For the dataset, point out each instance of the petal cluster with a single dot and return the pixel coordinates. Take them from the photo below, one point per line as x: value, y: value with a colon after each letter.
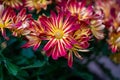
x: 58, y: 29
x: 6, y: 16
x: 67, y: 31
x: 13, y: 3
x: 112, y: 21
x: 37, y: 4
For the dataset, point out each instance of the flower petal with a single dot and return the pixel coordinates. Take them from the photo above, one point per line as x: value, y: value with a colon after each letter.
x: 67, y: 44
x: 51, y: 43
x: 61, y: 49
x: 55, y: 53
x: 36, y: 46
x: 70, y: 59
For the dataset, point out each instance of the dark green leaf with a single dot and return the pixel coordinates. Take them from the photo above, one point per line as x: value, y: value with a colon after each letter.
x: 38, y: 63
x: 27, y: 52
x: 12, y: 69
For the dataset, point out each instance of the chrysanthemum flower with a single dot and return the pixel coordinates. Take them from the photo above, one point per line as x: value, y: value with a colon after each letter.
x: 78, y: 9
x: 5, y: 19
x: 106, y: 6
x: 58, y: 28
x: 13, y: 3
x: 82, y: 36
x: 97, y: 26
x: 116, y: 21
x: 36, y: 35
x: 114, y: 41
x: 97, y: 29
x: 114, y: 34
x: 37, y: 4
x: 20, y: 23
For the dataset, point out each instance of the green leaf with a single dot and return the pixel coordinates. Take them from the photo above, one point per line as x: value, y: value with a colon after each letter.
x: 27, y: 52
x: 86, y: 76
x: 12, y: 69
x: 38, y: 63
x: 23, y: 73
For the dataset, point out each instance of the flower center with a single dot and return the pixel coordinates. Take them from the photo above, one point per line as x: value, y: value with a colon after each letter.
x: 59, y: 34
x: 1, y: 24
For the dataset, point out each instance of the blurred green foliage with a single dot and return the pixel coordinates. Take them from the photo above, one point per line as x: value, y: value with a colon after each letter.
x: 17, y: 63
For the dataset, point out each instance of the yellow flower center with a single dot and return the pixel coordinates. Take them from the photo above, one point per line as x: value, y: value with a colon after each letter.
x: 43, y: 1
x: 59, y: 34
x: 1, y: 24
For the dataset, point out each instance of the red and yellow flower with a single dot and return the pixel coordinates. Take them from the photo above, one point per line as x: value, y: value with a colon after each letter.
x: 36, y: 35
x: 5, y: 19
x: 106, y: 6
x: 114, y: 32
x: 13, y: 3
x: 37, y: 4
x: 96, y: 25
x: 78, y: 9
x: 58, y: 28
x: 116, y: 21
x: 20, y: 23
x: 114, y: 41
x: 82, y: 36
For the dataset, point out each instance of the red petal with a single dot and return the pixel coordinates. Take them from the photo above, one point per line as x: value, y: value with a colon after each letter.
x: 51, y: 43
x: 36, y: 46
x: 28, y: 44
x: 4, y: 34
x: 48, y: 52
x: 22, y: 12
x: 67, y: 44
x: 84, y: 44
x: 70, y: 60
x: 55, y: 53
x: 114, y: 48
x: 61, y: 49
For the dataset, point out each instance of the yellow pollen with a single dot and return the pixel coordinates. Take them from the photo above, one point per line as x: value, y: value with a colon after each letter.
x: 59, y: 34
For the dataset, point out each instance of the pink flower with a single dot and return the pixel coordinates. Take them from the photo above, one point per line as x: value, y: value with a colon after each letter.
x: 77, y: 9
x: 114, y: 32
x: 114, y: 41
x: 58, y: 28
x: 82, y: 37
x: 20, y: 23
x: 16, y: 4
x: 37, y: 4
x: 96, y: 25
x: 36, y: 35
x: 5, y: 19
x: 106, y: 6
